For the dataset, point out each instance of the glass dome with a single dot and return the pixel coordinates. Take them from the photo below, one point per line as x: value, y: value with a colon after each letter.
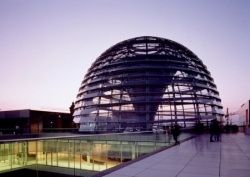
x: 144, y: 82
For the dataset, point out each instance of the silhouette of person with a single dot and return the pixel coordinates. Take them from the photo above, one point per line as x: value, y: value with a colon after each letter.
x: 18, y: 157
x: 176, y: 133
x: 211, y: 129
x: 217, y: 130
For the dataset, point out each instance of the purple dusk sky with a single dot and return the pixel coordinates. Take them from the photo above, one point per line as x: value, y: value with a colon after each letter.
x: 47, y: 46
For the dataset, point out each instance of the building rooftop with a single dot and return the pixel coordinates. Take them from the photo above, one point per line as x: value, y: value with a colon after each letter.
x: 56, y: 110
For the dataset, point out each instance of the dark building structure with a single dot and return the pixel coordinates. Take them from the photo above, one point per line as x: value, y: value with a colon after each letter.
x: 34, y: 121
x: 144, y: 82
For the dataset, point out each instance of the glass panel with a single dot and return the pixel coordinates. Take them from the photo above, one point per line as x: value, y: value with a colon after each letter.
x: 77, y: 154
x: 71, y: 153
x: 63, y: 153
x: 20, y: 149
x: 41, y: 152
x: 98, y: 160
x: 114, y: 150
x: 5, y: 161
x: 31, y: 155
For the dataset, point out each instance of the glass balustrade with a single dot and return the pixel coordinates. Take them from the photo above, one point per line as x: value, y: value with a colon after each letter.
x: 82, y: 154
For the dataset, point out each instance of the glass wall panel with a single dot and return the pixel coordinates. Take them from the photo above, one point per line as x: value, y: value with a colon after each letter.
x: 81, y: 154
x: 77, y: 154
x: 71, y: 153
x: 98, y: 158
x: 32, y: 153
x: 63, y: 153
x: 114, y: 157
x: 5, y: 158
x: 41, y: 152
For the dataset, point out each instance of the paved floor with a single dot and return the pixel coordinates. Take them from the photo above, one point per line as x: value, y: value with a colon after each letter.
x: 196, y: 158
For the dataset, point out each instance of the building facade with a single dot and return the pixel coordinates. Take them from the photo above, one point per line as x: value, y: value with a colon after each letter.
x: 243, y: 114
x: 144, y: 82
x: 34, y: 121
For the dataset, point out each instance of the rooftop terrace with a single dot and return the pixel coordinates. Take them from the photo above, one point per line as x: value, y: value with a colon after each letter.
x: 196, y: 157
x: 149, y: 156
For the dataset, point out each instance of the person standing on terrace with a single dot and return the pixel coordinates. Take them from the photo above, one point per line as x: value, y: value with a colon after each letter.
x: 211, y: 130
x: 176, y: 133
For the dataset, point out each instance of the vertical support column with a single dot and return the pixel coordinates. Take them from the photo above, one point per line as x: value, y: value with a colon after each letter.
x: 196, y: 105
x: 4, y: 152
x: 183, y: 111
x: 19, y: 153
x: 120, y: 105
x: 51, y: 152
x: 74, y: 158
x: 57, y: 149
x: 121, y: 151
x: 88, y: 152
x: 133, y: 150
x: 175, y: 110
x: 110, y: 113
x: 68, y: 153
x: 137, y: 155
x: 25, y: 158
x: 80, y: 153
x: 46, y: 152
x: 147, y: 104
x: 10, y: 155
x: 36, y: 155
x: 206, y: 114
x: 147, y: 91
x: 98, y: 108
x: 91, y: 153
x: 106, y: 155
x: 1, y: 147
x: 171, y: 112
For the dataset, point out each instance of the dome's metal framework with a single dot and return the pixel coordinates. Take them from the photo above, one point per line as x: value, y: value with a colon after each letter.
x: 146, y: 81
